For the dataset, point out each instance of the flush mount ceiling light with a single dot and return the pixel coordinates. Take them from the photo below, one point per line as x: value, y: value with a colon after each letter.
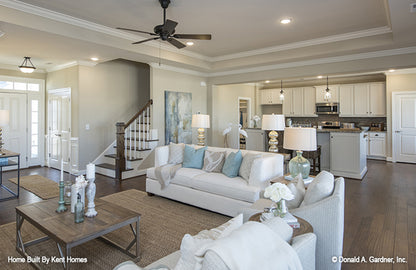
x: 94, y: 58
x: 282, y: 94
x: 320, y: 77
x: 327, y: 91
x: 392, y: 70
x: 27, y: 65
x: 285, y: 20
x: 267, y: 81
x: 189, y: 43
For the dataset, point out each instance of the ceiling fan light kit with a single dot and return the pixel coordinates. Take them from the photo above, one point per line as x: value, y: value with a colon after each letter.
x: 27, y: 65
x: 166, y: 31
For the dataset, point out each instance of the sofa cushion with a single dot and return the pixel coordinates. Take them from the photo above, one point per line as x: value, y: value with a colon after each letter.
x: 190, y: 244
x: 213, y: 161
x: 184, y: 176
x: 217, y: 183
x: 320, y: 188
x: 193, y: 158
x: 246, y: 164
x: 176, y: 152
x: 232, y: 164
x: 298, y: 190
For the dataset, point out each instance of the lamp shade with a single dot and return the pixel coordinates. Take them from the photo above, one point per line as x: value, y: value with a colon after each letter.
x: 4, y: 118
x: 303, y: 139
x: 273, y: 122
x: 200, y: 120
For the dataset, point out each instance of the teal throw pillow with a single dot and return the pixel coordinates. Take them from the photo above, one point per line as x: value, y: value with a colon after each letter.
x: 232, y: 164
x: 193, y: 158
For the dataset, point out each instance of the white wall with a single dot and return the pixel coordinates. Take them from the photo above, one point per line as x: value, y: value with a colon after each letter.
x: 165, y: 80
x: 396, y: 83
x: 225, y: 108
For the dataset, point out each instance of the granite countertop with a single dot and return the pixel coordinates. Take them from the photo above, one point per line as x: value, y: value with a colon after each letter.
x: 345, y: 130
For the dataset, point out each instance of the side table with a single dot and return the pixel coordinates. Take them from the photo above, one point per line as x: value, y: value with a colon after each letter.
x: 6, y: 160
x: 281, y: 179
x: 305, y: 227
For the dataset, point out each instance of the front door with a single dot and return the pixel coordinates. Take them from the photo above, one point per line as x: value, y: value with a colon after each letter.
x: 15, y: 134
x: 404, y: 127
x: 59, y: 128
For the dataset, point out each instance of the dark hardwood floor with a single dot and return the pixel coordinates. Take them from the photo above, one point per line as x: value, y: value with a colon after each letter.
x: 380, y: 211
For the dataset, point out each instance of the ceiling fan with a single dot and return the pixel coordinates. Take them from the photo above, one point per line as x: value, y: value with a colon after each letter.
x: 166, y: 31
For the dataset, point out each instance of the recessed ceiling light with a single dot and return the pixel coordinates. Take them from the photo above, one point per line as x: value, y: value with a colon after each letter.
x: 189, y: 43
x: 94, y: 59
x: 267, y: 81
x: 320, y: 77
x: 392, y: 70
x: 285, y: 20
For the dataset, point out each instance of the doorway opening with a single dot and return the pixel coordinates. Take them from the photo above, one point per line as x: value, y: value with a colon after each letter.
x: 244, y: 116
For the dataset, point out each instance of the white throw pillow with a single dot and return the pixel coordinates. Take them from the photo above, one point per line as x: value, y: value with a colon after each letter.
x: 176, y: 153
x: 213, y: 161
x: 320, y: 188
x: 246, y: 165
x: 298, y: 191
x: 190, y: 244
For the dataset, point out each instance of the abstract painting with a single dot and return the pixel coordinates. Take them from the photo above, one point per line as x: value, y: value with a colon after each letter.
x: 178, y: 117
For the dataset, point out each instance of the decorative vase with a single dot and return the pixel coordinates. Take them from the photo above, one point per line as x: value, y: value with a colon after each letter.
x: 67, y: 192
x: 281, y: 209
x: 91, y: 189
x: 299, y: 165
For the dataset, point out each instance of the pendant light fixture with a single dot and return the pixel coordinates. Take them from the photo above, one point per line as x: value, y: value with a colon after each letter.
x: 327, y: 91
x: 282, y: 94
x: 27, y: 65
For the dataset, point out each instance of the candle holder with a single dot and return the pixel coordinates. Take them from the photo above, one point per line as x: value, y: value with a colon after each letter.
x: 61, y: 207
x: 91, y: 189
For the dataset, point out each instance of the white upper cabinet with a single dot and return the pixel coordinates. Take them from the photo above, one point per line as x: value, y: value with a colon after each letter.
x: 320, y: 94
x: 361, y: 99
x: 270, y: 97
x: 299, y: 101
x: 377, y: 99
x: 346, y: 100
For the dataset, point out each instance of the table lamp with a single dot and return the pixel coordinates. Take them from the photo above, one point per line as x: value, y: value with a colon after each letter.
x: 4, y: 121
x: 273, y: 122
x: 300, y: 139
x: 200, y: 121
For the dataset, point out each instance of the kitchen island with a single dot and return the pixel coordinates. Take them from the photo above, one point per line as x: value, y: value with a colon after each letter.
x: 343, y: 152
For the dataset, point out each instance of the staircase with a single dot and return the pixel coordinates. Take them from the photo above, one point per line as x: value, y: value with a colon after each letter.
x: 135, y: 140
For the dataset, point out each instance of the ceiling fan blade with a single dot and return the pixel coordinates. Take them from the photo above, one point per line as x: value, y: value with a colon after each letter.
x: 149, y: 39
x: 193, y: 36
x: 138, y: 31
x: 169, y: 26
x: 176, y: 43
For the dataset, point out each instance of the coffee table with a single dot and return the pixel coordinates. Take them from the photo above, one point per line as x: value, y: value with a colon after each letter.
x: 67, y: 234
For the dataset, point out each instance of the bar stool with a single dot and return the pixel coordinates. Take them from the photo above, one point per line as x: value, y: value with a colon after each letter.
x: 315, y: 157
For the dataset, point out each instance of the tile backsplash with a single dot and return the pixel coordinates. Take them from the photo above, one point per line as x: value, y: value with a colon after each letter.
x: 359, y: 121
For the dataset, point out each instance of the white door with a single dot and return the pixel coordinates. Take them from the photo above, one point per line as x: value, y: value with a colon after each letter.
x: 59, y: 128
x: 15, y: 134
x: 404, y: 127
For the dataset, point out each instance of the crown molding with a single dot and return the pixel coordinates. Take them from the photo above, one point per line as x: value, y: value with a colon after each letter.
x: 326, y: 60
x: 60, y: 17
x: 307, y: 43
x: 178, y: 69
x: 72, y: 64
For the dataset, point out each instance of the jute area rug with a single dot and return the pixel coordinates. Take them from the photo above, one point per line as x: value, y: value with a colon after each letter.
x: 163, y: 223
x: 42, y: 187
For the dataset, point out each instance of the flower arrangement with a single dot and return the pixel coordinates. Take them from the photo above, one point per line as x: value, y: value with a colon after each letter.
x: 256, y: 119
x: 278, y: 193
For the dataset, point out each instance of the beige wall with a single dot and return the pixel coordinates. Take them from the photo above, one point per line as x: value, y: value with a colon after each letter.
x: 17, y: 73
x: 225, y: 108
x: 396, y: 83
x: 164, y: 80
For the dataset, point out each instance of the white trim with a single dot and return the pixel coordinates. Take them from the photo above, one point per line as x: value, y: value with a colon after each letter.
x: 178, y: 69
x: 72, y: 64
x: 306, y: 43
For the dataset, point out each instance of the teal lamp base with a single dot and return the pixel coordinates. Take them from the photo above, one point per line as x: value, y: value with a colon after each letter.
x: 299, y: 165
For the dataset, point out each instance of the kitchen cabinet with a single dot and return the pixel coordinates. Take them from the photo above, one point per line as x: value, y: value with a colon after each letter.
x: 377, y: 144
x: 320, y: 94
x: 270, y: 97
x: 299, y: 101
x: 362, y: 100
x: 347, y: 154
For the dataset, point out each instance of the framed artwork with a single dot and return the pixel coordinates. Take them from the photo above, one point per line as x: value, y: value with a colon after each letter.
x: 178, y: 117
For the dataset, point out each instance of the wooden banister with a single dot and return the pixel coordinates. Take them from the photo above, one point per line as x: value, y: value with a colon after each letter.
x: 150, y: 102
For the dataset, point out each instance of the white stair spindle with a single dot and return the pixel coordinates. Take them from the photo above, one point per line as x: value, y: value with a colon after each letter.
x: 135, y: 138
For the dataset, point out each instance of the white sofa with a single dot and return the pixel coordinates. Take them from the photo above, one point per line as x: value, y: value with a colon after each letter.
x: 215, y: 191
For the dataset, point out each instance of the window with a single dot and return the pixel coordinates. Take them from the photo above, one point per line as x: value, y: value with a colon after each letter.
x: 6, y: 85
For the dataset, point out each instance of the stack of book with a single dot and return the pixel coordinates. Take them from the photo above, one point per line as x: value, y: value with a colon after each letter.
x: 291, y: 220
x: 4, y: 161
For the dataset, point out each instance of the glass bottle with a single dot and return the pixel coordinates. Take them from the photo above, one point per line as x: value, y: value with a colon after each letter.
x: 79, y: 210
x: 67, y: 192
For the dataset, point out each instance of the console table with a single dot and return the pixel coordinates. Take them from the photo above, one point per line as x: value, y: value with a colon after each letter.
x: 6, y: 160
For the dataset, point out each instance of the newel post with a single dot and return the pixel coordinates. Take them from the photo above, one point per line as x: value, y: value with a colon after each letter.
x: 120, y: 158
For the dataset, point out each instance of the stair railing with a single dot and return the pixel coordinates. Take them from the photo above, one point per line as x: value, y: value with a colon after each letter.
x: 138, y: 130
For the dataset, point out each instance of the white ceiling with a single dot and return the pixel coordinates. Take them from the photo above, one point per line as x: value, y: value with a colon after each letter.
x: 246, y: 33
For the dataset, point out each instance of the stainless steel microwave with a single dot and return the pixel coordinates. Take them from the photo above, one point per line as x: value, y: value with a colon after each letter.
x: 327, y: 108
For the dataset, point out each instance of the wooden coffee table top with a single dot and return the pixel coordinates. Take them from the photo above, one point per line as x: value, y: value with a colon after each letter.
x: 62, y: 227
x: 305, y: 227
